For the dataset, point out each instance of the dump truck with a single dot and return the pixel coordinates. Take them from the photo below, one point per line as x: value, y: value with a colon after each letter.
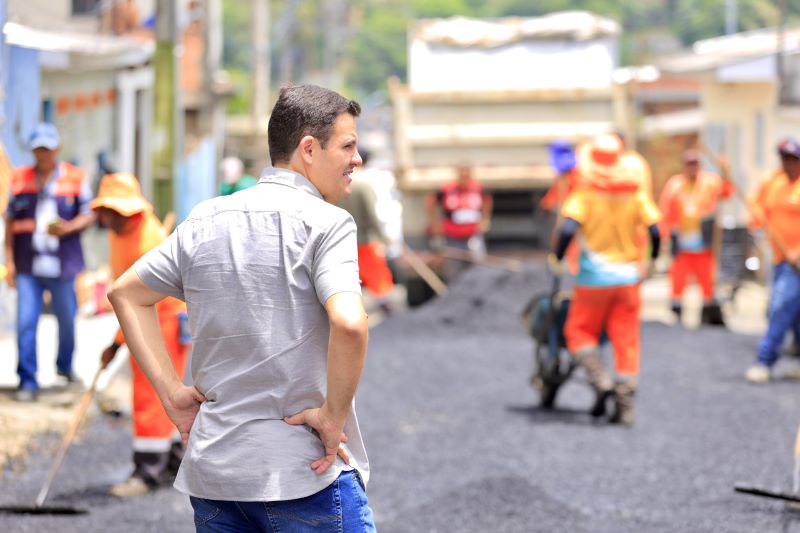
x: 492, y: 95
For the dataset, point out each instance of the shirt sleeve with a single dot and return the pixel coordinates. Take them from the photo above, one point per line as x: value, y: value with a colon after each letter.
x: 576, y: 207
x: 85, y: 198
x: 666, y: 203
x: 648, y: 213
x: 726, y: 188
x: 335, y: 267
x: 160, y: 268
x: 10, y: 206
x: 757, y: 205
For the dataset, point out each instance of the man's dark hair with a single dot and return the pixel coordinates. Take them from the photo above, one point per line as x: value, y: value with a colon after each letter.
x: 304, y: 110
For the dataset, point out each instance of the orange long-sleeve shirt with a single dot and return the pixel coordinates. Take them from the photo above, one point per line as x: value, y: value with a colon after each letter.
x: 143, y: 234
x: 776, y: 205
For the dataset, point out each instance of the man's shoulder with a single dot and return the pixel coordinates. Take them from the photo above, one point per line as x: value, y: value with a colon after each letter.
x: 23, y: 172
x: 257, y: 200
x: 73, y: 171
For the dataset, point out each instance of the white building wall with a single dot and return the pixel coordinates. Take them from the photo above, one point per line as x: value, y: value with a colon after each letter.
x: 532, y: 64
x: 741, y: 124
x: 85, y: 131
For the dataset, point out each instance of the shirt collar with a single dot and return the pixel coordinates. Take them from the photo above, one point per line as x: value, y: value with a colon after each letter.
x: 289, y: 178
x: 53, y: 177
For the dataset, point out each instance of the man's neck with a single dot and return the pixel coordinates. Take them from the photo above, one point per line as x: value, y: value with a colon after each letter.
x: 43, y: 175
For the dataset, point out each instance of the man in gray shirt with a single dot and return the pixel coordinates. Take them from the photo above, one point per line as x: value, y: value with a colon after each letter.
x: 279, y: 334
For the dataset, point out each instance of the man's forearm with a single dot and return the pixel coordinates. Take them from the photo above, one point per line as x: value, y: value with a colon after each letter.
x: 9, y: 241
x: 81, y: 222
x: 346, y: 353
x: 139, y: 322
x: 347, y: 348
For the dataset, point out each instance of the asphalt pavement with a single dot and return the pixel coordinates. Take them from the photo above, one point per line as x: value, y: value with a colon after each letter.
x: 457, y: 442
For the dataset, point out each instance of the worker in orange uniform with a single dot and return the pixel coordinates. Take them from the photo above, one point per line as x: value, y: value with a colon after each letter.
x: 134, y: 230
x: 689, y: 204
x: 776, y: 207
x: 373, y: 268
x: 608, y: 209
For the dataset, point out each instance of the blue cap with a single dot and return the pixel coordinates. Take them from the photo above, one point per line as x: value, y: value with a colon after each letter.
x: 789, y: 146
x: 562, y: 156
x: 44, y: 135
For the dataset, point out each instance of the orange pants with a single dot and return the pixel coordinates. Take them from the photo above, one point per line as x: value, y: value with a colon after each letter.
x: 699, y: 264
x: 613, y: 309
x: 373, y: 269
x: 152, y: 428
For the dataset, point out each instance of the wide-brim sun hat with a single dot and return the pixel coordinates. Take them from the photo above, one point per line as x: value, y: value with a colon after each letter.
x: 604, y: 163
x: 122, y: 193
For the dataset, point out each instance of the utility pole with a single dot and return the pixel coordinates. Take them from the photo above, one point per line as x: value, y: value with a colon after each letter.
x: 288, y: 23
x: 731, y: 17
x: 779, y: 65
x: 212, y: 23
x: 262, y: 64
x: 167, y: 123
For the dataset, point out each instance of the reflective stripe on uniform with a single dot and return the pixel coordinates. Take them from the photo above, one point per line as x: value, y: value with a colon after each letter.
x: 23, y: 225
x: 151, y: 445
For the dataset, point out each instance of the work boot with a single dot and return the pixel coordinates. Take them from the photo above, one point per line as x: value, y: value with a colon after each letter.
x: 133, y: 486
x: 598, y: 378
x: 176, y: 453
x: 623, y: 404
x: 25, y: 395
x: 758, y: 374
x: 712, y: 315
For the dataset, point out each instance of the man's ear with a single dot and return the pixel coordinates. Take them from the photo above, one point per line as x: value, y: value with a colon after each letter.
x: 306, y: 147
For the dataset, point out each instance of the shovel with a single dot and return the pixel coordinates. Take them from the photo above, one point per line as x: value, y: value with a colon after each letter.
x: 39, y: 507
x: 792, y: 497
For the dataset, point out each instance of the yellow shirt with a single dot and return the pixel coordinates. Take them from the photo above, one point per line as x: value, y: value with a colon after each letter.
x: 610, y: 229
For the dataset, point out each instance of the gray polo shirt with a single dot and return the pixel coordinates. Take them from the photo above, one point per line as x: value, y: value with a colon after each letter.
x: 255, y: 269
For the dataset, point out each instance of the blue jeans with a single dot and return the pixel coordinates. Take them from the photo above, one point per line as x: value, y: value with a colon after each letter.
x: 342, y: 507
x: 29, y: 307
x: 784, y: 312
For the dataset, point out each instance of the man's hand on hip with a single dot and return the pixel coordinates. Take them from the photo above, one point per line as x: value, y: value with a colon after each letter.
x: 181, y: 407
x: 330, y: 433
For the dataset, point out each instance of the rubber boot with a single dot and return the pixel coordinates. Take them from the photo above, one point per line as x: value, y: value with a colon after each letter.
x: 623, y: 404
x: 677, y: 310
x: 712, y: 315
x: 598, y: 378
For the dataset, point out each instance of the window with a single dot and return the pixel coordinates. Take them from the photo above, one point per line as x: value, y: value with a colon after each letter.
x: 47, y: 110
x: 85, y: 7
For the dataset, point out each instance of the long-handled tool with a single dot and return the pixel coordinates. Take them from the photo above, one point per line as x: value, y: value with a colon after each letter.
x: 424, y: 271
x: 505, y: 263
x: 775, y: 239
x: 793, y: 496
x: 69, y: 436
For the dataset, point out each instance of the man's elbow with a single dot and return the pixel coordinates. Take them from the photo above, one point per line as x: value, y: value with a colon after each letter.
x: 116, y: 295
x: 353, y: 328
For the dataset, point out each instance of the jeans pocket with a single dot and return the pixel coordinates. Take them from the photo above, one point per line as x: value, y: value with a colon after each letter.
x: 358, y: 508
x: 204, y: 510
x: 321, y: 512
